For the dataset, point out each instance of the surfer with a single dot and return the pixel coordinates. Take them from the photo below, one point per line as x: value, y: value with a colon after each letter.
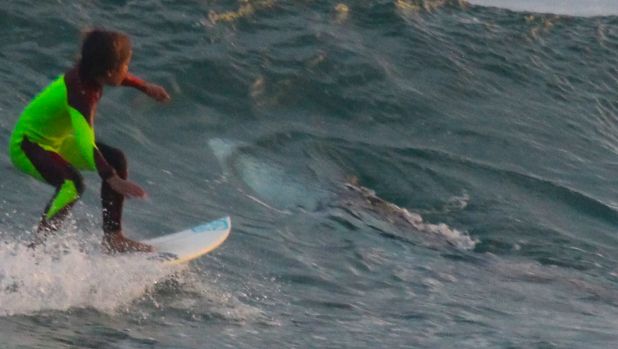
x: 54, y: 138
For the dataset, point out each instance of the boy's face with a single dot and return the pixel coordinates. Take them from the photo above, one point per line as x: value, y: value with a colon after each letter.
x: 116, y: 76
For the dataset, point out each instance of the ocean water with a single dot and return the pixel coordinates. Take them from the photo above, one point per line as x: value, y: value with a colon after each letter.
x: 400, y: 174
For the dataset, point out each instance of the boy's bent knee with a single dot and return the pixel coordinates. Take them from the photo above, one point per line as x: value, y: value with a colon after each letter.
x: 78, y: 182
x: 115, y: 157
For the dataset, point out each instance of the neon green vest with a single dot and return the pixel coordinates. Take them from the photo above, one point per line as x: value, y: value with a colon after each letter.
x: 54, y: 125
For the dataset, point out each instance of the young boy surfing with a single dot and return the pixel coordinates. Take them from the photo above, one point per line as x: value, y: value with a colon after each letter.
x: 54, y: 138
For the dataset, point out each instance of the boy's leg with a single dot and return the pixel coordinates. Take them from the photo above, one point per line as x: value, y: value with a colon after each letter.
x: 59, y: 173
x: 112, y: 202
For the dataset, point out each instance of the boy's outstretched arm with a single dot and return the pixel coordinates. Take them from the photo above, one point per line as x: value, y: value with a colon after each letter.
x: 155, y: 91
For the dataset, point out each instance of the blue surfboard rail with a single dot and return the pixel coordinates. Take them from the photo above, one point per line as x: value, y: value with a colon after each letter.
x: 219, y: 224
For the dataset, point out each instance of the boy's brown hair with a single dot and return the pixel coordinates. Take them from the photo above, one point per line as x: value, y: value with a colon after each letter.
x: 102, y: 51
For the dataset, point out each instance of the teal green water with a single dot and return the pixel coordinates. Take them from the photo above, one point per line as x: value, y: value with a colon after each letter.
x: 426, y: 174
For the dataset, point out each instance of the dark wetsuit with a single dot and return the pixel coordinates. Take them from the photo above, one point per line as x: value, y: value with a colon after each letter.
x: 54, y: 138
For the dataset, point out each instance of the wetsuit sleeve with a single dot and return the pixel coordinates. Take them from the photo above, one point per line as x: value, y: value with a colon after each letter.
x: 85, y: 140
x: 135, y: 82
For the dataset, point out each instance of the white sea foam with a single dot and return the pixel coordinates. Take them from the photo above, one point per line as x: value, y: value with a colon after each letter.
x: 68, y: 273
x: 391, y: 212
x: 453, y: 236
x: 458, y: 202
x: 560, y: 7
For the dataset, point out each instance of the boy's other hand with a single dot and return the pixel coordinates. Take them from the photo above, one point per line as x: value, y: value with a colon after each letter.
x: 126, y: 188
x: 157, y: 92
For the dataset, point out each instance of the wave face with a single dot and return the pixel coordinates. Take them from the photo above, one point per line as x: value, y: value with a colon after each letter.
x: 399, y: 173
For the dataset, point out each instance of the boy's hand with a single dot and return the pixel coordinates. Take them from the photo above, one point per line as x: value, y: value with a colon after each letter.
x: 126, y: 188
x: 157, y: 92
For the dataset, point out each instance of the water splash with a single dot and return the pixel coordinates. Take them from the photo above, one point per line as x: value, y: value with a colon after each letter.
x: 71, y: 273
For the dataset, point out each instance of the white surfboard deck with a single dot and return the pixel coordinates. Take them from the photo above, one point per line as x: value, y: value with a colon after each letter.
x: 186, y: 245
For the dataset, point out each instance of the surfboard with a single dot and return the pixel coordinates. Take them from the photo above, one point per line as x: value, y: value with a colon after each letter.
x: 188, y: 244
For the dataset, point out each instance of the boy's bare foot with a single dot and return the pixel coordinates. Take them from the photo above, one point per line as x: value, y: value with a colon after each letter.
x: 118, y: 243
